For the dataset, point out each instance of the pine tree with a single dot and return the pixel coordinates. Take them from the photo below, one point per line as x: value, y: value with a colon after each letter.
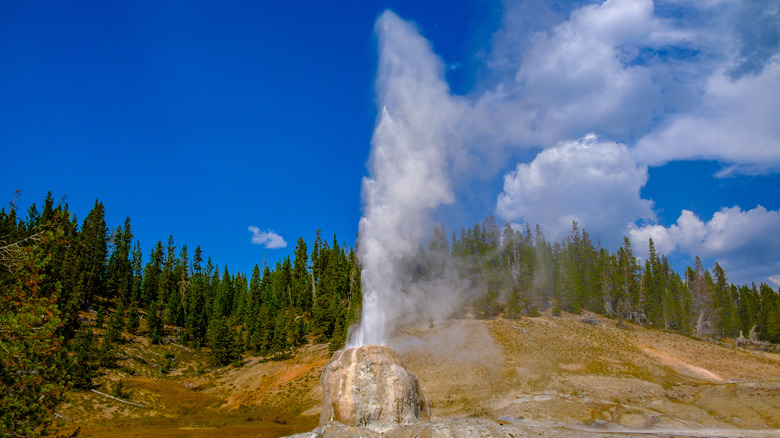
x: 197, y: 315
x: 119, y: 270
x: 136, y: 264
x: 169, y: 281
x: 627, y: 294
x: 151, y: 276
x: 84, y: 359
x: 92, y: 257
x: 747, y: 308
x: 223, y: 349
x: 652, y: 287
x: 179, y: 298
x: 723, y: 302
x: 223, y: 304
x: 300, y: 278
x: 769, y: 314
x: 241, y: 301
x: 284, y: 332
x: 154, y: 322
x: 34, y: 365
x: 115, y: 324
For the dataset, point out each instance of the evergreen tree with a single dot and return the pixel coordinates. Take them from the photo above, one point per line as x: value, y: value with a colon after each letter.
x: 300, y: 278
x: 169, y: 281
x: 136, y: 265
x: 627, y: 296
x: 652, y: 287
x: 241, y: 301
x: 223, y: 348
x: 34, y: 364
x: 723, y: 302
x: 769, y: 314
x: 85, y: 366
x: 284, y: 332
x: 115, y: 325
x: 179, y: 299
x: 154, y: 322
x: 119, y: 271
x: 747, y: 308
x: 197, y: 315
x: 151, y: 276
x: 92, y: 257
x: 223, y: 304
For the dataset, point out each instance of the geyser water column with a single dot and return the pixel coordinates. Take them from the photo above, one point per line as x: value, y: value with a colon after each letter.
x: 407, y: 169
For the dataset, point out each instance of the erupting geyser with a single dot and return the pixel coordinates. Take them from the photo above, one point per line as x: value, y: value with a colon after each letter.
x: 408, y: 170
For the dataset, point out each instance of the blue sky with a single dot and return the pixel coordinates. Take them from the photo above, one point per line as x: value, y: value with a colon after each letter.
x: 221, y: 123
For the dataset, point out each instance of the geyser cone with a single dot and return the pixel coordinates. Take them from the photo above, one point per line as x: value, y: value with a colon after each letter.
x: 370, y: 386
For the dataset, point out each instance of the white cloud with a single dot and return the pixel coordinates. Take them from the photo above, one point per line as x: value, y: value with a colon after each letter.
x: 736, y: 123
x: 605, y: 69
x: 701, y: 83
x: 595, y: 183
x: 745, y: 243
x: 268, y: 239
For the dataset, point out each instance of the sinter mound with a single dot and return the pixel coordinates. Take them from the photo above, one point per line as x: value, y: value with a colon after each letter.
x: 369, y: 392
x: 371, y: 387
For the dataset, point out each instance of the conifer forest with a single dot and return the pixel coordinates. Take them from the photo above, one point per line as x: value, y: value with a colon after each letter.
x: 55, y: 268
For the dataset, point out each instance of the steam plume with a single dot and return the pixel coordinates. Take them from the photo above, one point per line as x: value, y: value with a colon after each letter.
x: 408, y: 168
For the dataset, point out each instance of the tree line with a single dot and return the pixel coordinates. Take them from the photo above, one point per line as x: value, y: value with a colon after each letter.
x: 518, y: 272
x: 54, y: 269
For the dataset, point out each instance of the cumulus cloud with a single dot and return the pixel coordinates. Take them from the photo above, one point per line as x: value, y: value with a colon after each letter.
x: 678, y: 80
x: 734, y: 118
x: 267, y: 239
x: 736, y: 124
x: 613, y: 68
x: 596, y: 183
x: 745, y: 243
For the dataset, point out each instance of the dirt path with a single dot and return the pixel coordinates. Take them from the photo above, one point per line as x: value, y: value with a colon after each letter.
x: 684, y: 367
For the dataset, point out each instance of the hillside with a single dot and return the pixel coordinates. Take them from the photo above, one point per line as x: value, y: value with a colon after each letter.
x: 547, y: 370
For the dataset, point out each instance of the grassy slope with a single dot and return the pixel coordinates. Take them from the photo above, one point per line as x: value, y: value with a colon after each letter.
x: 549, y: 369
x: 562, y: 370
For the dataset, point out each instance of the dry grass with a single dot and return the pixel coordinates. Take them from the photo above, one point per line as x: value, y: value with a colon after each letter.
x: 548, y: 369
x: 193, y: 400
x: 560, y: 369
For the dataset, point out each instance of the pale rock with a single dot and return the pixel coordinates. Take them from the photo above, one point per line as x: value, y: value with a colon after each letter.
x: 370, y: 387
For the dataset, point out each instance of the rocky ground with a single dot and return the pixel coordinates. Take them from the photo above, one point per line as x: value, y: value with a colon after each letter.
x: 547, y: 376
x: 563, y: 370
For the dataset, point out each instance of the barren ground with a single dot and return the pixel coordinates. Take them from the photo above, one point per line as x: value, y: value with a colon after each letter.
x: 549, y: 370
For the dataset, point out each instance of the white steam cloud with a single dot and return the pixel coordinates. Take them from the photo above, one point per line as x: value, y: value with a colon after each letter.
x: 408, y: 167
x: 267, y: 239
